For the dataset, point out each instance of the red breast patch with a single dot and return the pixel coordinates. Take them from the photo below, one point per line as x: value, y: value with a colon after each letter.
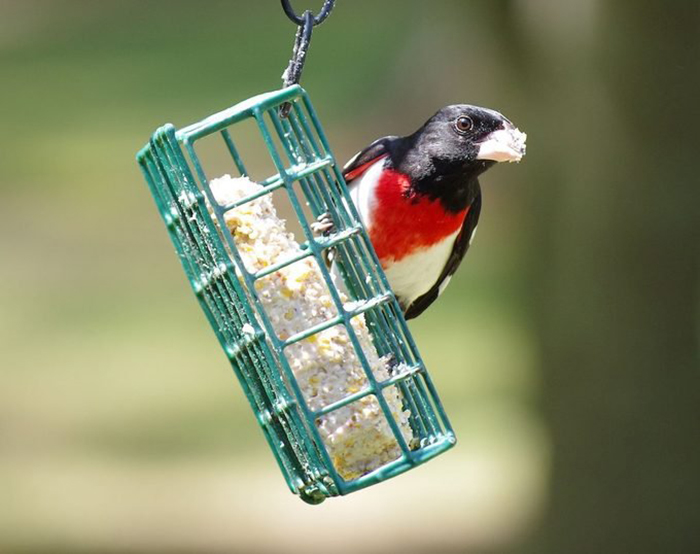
x: 403, y: 222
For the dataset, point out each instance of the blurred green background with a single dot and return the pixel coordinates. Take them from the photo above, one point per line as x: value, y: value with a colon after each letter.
x: 565, y: 350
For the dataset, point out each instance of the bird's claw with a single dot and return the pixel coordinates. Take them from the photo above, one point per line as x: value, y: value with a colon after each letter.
x: 392, y: 363
x: 324, y: 225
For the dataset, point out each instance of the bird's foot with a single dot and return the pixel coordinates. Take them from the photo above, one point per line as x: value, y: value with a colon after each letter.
x: 324, y: 225
x: 392, y: 363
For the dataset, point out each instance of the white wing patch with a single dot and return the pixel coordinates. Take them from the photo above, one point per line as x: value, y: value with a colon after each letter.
x: 351, y: 161
x: 363, y: 189
x: 443, y: 285
x: 471, y: 238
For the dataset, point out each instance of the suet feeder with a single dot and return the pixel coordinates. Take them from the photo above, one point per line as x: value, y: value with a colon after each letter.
x: 360, y: 298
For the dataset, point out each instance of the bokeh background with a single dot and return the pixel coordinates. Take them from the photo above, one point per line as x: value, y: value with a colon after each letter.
x: 565, y: 350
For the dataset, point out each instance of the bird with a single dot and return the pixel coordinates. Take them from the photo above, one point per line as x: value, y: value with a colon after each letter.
x: 419, y: 196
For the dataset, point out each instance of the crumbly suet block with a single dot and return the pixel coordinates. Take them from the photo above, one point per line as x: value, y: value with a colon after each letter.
x: 357, y: 436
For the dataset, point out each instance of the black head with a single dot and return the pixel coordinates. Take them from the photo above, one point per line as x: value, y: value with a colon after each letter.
x: 455, y: 146
x: 465, y: 137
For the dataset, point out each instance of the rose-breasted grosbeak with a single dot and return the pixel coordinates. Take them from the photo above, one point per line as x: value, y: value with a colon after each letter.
x: 419, y: 196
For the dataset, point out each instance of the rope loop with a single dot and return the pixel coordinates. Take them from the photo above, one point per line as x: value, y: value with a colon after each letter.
x: 318, y: 19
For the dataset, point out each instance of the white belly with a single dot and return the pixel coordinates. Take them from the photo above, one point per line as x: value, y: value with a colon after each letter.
x: 414, y: 275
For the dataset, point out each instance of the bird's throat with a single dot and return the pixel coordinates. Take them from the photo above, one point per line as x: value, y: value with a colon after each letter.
x: 404, y: 221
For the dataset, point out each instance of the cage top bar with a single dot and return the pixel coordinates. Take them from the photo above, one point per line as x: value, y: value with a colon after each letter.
x: 240, y: 111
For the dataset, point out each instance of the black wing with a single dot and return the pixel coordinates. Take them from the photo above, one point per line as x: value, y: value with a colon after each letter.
x: 459, y: 249
x: 359, y: 163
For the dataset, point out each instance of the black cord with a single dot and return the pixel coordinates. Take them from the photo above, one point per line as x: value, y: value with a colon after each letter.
x: 302, y: 40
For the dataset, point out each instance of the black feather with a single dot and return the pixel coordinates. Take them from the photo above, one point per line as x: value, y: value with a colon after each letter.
x: 380, y: 147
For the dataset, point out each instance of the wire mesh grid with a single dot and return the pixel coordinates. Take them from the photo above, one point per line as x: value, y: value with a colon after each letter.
x: 226, y: 289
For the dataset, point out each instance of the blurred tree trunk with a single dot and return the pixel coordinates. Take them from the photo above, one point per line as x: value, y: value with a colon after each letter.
x: 619, y: 236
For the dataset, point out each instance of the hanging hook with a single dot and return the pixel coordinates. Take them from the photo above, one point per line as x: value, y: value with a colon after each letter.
x: 320, y: 18
x: 302, y: 40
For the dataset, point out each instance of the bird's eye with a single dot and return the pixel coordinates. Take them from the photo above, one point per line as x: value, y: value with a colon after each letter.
x: 464, y: 124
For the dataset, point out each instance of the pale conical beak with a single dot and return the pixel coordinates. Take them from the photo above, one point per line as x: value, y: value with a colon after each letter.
x: 506, y: 144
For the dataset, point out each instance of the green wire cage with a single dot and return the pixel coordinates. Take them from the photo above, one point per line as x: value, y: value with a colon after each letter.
x: 226, y: 289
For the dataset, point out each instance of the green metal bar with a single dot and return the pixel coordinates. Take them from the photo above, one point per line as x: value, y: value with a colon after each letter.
x: 336, y: 238
x: 400, y: 465
x: 298, y: 337
x: 344, y: 402
x: 281, y: 265
x: 406, y: 374
x: 362, y: 306
x: 239, y: 112
x: 254, y: 196
x: 234, y: 152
